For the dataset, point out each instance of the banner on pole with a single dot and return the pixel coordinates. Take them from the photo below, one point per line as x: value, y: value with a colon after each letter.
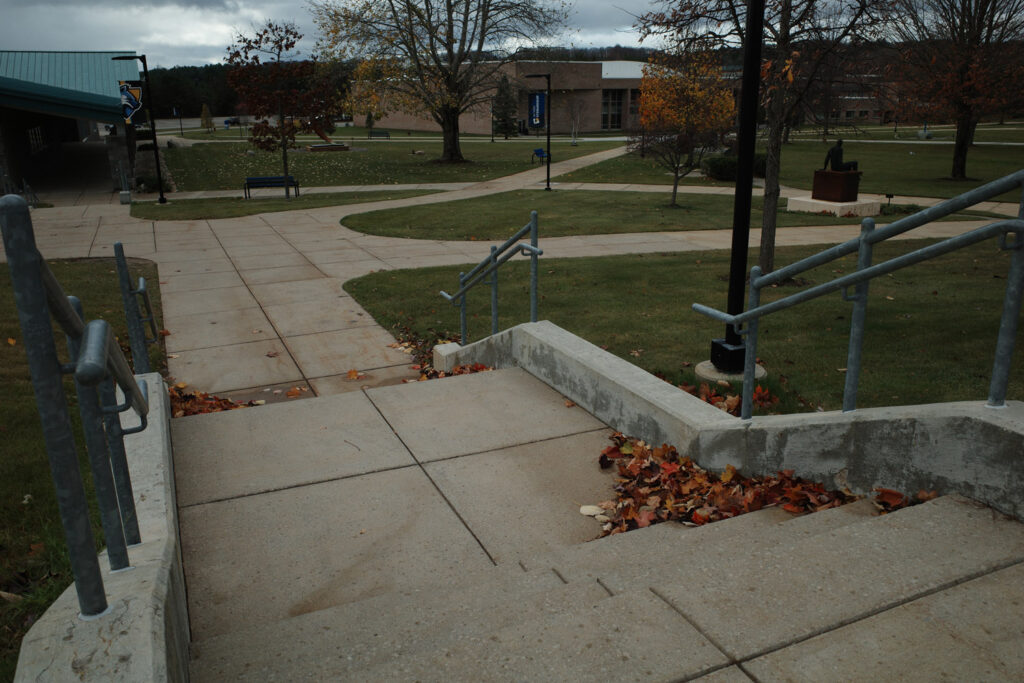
x: 131, y: 98
x: 537, y: 109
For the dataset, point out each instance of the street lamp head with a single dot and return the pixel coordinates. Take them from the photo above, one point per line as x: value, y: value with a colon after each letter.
x: 128, y: 58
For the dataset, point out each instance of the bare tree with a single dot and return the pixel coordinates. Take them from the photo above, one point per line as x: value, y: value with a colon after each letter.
x: 446, y: 53
x: 962, y: 59
x: 799, y: 35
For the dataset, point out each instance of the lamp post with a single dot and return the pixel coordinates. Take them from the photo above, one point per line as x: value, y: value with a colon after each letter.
x: 152, y: 118
x: 727, y: 354
x: 547, y: 107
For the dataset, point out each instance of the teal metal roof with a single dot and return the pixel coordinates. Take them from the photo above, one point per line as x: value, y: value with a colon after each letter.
x: 73, y: 84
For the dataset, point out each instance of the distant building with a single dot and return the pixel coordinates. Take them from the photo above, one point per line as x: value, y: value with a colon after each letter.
x: 599, y: 96
x: 50, y: 99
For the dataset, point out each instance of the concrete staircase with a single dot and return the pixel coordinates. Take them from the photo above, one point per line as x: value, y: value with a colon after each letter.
x: 451, y: 548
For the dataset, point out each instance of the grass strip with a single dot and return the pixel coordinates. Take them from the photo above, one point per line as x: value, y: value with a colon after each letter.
x: 905, y: 170
x: 224, y: 166
x: 581, y: 212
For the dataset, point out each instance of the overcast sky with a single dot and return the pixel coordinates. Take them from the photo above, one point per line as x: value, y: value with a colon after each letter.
x: 194, y: 32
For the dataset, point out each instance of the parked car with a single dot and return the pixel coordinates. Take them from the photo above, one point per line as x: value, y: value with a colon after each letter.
x: 232, y: 121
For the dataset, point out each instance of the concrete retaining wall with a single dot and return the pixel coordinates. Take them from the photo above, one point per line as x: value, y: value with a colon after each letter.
x: 964, y: 447
x: 144, y: 636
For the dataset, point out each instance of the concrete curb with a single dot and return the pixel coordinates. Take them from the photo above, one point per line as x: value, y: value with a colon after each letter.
x: 965, y: 448
x: 144, y: 636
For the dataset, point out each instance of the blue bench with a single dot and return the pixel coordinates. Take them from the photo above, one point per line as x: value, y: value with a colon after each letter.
x: 539, y: 154
x: 256, y: 182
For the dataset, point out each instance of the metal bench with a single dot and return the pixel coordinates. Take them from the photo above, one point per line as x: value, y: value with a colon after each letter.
x: 383, y: 134
x: 539, y: 154
x: 257, y: 182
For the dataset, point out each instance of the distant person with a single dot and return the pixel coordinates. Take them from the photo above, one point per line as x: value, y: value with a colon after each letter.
x: 835, y: 157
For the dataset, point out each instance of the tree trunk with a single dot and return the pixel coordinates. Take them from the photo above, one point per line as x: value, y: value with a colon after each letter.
x: 675, y: 185
x: 766, y: 258
x: 452, y: 152
x: 960, y: 146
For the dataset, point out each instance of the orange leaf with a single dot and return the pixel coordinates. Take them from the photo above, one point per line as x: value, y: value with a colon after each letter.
x: 164, y: 333
x: 12, y: 341
x: 293, y: 392
x: 353, y: 374
x: 729, y: 474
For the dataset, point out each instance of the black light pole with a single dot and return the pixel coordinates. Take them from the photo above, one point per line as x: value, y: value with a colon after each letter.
x: 547, y: 106
x: 152, y: 118
x: 727, y: 354
x: 492, y: 118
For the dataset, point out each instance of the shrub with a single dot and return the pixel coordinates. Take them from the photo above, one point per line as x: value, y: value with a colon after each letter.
x: 724, y: 167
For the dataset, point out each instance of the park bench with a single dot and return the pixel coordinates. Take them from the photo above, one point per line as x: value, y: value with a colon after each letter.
x: 256, y: 182
x: 383, y: 134
x: 539, y: 154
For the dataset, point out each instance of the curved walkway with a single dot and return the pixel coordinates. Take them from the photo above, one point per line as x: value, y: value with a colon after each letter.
x: 255, y: 304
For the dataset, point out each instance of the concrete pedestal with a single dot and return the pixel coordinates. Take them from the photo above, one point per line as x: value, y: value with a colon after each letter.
x: 855, y: 208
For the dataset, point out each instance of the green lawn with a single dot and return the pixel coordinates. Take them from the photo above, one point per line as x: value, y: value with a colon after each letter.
x: 917, y: 170
x: 225, y: 166
x: 569, y: 212
x: 33, y: 555
x: 231, y: 207
x: 638, y: 307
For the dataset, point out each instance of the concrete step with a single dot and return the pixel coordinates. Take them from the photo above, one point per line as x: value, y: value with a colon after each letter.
x: 763, y: 598
x: 340, y: 642
x: 388, y: 631
x: 630, y: 554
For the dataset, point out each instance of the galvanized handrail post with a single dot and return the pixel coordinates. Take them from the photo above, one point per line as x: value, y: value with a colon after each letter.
x: 533, y: 266
x: 37, y: 329
x: 1008, y: 323
x: 857, y: 319
x: 750, y: 345
x: 95, y: 342
x: 136, y: 335
x: 462, y: 311
x: 494, y: 290
x: 119, y: 463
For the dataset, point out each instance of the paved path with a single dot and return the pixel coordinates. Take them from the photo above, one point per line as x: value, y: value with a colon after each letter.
x: 255, y: 304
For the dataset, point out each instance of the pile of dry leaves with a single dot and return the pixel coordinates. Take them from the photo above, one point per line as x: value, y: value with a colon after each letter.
x: 657, y: 485
x: 422, y: 352
x: 185, y: 403
x: 730, y: 403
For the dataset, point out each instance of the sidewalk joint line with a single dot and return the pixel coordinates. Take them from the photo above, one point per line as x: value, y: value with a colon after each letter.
x: 515, y: 445
x: 696, y: 627
x: 300, y: 485
x: 431, y: 480
x: 899, y: 602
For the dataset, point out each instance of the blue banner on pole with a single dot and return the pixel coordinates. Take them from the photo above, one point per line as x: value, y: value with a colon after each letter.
x: 537, y: 109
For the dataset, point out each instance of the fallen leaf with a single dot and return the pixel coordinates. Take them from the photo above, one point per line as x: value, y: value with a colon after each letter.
x: 10, y: 597
x: 272, y: 354
x: 591, y: 510
x: 181, y: 385
x: 293, y: 392
x: 569, y: 404
x: 172, y: 355
x: 164, y: 333
x: 352, y: 374
x: 12, y: 341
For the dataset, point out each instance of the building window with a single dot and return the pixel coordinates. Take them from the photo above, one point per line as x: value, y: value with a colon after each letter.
x: 634, y: 102
x: 611, y: 109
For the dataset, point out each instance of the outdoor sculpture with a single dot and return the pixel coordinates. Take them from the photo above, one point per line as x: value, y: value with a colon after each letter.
x: 835, y: 157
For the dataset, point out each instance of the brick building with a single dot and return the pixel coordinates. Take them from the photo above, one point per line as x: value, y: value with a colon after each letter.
x: 600, y: 96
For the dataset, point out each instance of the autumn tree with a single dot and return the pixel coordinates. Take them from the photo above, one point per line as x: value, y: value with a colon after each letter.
x: 798, y: 35
x: 685, y: 108
x: 205, y: 119
x: 961, y: 60
x: 281, y: 92
x: 448, y: 52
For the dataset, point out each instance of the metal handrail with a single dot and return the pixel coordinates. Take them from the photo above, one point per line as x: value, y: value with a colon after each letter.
x: 97, y: 365
x: 489, y: 266
x: 865, y: 272
x: 137, y: 338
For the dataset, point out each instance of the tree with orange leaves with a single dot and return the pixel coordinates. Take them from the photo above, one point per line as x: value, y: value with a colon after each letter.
x: 685, y: 108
